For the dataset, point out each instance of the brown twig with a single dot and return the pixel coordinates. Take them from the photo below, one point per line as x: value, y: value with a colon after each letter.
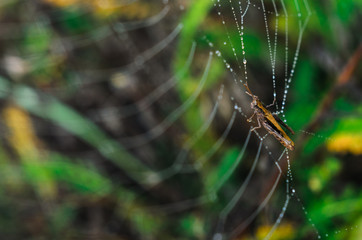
x: 324, y: 107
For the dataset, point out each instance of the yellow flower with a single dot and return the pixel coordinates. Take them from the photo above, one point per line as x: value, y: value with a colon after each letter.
x: 346, y: 143
x: 21, y: 133
x: 104, y: 8
x: 283, y: 231
x: 62, y: 3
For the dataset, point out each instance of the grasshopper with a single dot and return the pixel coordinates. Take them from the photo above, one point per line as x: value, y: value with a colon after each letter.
x: 271, y: 122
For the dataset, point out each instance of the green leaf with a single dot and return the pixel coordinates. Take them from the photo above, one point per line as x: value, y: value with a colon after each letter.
x: 191, y: 22
x: 78, y: 177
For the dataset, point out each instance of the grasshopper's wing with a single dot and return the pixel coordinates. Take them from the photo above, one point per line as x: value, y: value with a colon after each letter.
x: 281, y: 122
x: 280, y: 136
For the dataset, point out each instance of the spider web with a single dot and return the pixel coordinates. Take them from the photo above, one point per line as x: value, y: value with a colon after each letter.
x: 127, y: 113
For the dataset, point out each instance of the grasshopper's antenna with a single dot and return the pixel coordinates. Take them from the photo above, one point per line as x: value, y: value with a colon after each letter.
x: 248, y: 90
